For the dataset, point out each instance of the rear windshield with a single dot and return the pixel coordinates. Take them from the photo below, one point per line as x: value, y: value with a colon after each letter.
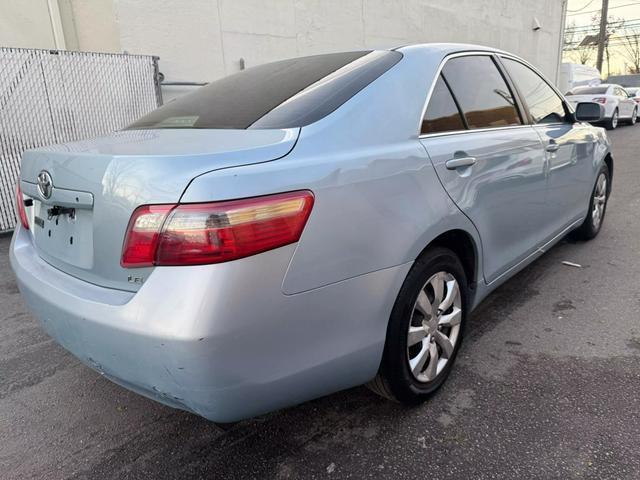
x: 588, y: 90
x: 274, y: 95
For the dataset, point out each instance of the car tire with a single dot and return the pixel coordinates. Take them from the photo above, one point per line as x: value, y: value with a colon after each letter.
x: 612, y: 123
x: 597, y: 207
x: 396, y: 379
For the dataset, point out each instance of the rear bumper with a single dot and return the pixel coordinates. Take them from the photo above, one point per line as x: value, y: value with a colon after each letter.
x: 222, y: 341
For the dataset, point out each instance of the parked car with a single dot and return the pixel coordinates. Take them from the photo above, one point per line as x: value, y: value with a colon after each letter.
x: 634, y: 92
x: 305, y: 226
x: 574, y: 75
x: 618, y: 104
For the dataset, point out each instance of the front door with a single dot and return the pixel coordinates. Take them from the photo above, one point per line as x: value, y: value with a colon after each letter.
x: 626, y: 104
x: 568, y: 147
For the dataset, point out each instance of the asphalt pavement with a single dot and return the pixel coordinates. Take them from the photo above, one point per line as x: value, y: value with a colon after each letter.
x: 547, y: 385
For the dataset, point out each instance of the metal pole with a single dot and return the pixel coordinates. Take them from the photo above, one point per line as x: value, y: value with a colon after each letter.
x: 603, y: 33
x: 157, y: 81
x: 563, y: 26
x: 56, y: 24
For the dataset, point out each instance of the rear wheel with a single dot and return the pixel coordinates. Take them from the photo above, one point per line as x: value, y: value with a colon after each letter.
x: 425, y: 329
x: 612, y: 123
x: 597, y: 207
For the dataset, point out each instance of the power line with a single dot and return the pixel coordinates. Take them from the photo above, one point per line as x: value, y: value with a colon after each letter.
x: 594, y: 29
x: 614, y: 22
x: 580, y: 9
x: 595, y: 11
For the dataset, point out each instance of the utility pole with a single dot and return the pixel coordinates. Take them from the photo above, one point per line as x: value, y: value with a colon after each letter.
x: 602, y: 36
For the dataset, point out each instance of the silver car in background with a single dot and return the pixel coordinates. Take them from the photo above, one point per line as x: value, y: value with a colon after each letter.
x: 619, y: 105
x: 305, y: 226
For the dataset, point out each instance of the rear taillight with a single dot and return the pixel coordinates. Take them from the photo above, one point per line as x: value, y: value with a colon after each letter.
x: 202, y: 233
x: 143, y: 233
x: 602, y: 100
x: 20, y: 211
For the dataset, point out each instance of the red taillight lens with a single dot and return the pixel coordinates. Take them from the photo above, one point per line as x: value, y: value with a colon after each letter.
x: 197, y: 234
x: 143, y: 232
x: 600, y: 100
x: 20, y: 211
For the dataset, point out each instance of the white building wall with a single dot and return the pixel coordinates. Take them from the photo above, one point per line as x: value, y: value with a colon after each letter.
x: 26, y: 24
x: 201, y: 40
x: 205, y: 39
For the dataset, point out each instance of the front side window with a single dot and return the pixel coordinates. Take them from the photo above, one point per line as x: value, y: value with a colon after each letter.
x: 481, y: 92
x: 442, y: 114
x: 545, y: 106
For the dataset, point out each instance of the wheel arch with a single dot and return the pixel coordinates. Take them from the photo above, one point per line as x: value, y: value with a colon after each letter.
x: 464, y: 246
x: 608, y: 160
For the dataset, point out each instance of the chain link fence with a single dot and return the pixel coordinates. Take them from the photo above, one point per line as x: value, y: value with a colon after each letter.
x: 51, y: 96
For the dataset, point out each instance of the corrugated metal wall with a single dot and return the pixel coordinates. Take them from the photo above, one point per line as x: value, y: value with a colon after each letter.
x: 51, y: 96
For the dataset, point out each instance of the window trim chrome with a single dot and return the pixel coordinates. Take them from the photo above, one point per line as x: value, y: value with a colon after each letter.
x: 473, y: 130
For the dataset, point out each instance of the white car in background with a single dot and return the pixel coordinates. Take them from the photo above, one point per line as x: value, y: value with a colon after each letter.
x: 619, y: 106
x: 634, y: 92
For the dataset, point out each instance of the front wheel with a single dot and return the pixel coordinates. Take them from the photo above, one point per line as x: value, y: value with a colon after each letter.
x: 597, y: 207
x: 612, y: 123
x: 634, y: 117
x: 425, y: 329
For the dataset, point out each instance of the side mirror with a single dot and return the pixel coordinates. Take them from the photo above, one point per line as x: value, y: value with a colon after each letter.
x: 589, y: 112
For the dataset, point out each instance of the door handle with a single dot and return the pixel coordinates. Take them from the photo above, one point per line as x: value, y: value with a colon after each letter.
x: 552, y: 147
x: 460, y: 162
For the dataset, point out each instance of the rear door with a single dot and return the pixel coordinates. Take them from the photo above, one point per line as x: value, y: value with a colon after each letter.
x: 569, y: 147
x: 490, y: 162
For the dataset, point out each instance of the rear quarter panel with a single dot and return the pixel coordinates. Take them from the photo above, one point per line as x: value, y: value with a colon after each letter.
x: 378, y: 200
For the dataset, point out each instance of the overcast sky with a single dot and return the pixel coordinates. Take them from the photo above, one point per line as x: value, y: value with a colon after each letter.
x: 581, y: 11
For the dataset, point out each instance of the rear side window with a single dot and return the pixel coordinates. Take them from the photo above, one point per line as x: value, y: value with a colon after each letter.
x: 285, y: 94
x: 442, y: 114
x: 481, y: 92
x: 545, y: 106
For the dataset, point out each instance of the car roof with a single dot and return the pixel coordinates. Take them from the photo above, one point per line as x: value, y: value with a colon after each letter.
x: 599, y: 85
x: 448, y: 48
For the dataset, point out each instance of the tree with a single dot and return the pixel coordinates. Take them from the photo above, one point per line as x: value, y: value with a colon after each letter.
x: 575, y: 48
x: 630, y: 43
x: 584, y: 53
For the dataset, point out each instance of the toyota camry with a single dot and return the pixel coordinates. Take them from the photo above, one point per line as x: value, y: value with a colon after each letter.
x: 306, y: 226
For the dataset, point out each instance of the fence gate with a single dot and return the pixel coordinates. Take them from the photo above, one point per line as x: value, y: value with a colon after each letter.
x: 52, y: 96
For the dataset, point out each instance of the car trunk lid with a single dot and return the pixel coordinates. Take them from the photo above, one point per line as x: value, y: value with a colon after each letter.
x: 79, y: 225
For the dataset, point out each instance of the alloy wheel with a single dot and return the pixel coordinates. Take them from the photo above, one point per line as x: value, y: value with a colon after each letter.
x: 634, y: 116
x: 434, y: 329
x: 599, y: 201
x: 614, y: 119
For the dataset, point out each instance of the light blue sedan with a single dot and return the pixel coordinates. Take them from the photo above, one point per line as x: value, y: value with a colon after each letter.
x: 305, y: 226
